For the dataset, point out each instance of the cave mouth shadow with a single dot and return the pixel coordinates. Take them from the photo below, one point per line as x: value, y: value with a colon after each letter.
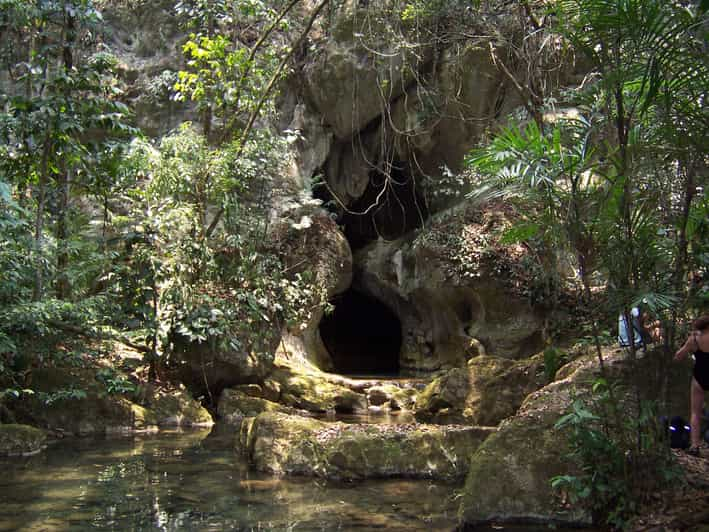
x: 391, y: 206
x: 362, y: 335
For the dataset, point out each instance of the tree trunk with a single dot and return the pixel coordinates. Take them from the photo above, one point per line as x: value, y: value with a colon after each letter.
x: 63, y: 286
x: 39, y: 219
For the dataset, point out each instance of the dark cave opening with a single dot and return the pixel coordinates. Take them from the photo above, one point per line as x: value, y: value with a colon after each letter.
x: 390, y: 207
x: 362, y: 335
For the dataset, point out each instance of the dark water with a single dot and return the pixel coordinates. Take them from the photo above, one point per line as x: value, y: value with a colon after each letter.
x: 194, y: 481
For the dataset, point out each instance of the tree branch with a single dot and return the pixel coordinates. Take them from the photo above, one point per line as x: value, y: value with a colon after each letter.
x: 264, y: 95
x: 99, y: 335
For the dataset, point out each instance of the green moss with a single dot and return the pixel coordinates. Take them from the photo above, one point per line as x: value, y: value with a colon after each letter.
x: 177, y: 407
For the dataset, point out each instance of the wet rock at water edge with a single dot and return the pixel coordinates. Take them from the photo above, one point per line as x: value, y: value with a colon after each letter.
x: 294, y: 445
x: 21, y: 440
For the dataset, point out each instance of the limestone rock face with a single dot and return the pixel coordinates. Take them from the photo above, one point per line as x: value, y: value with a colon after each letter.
x: 345, y: 81
x: 485, y: 392
x: 21, y: 440
x: 377, y: 89
x: 282, y: 444
x: 315, y: 247
x: 390, y: 95
x: 456, y: 290
x: 147, y: 41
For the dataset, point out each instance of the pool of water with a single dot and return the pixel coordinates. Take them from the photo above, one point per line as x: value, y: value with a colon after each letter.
x: 194, y: 481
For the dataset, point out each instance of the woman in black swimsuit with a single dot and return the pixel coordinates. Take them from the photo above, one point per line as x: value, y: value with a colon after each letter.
x: 698, y: 344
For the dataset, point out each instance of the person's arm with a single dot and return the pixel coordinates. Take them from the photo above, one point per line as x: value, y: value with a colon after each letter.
x: 686, y: 348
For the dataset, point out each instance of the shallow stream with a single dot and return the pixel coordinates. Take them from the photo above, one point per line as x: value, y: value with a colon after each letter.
x: 195, y: 481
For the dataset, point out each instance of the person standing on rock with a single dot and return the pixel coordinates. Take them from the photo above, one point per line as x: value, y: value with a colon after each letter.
x: 697, y: 343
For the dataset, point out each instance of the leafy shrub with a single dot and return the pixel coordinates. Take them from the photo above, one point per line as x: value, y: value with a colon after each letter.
x: 115, y: 382
x: 623, y: 457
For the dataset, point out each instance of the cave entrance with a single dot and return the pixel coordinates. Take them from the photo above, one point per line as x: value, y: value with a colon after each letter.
x: 362, y: 335
x: 390, y: 207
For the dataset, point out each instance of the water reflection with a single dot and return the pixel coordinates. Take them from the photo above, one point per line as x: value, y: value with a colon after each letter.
x: 194, y: 481
x: 379, y: 418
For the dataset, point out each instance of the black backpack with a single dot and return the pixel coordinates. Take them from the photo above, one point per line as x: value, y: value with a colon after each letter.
x: 679, y: 433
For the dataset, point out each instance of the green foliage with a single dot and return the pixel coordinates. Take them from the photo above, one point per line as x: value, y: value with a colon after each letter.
x: 115, y: 382
x: 422, y: 11
x: 227, y: 290
x: 62, y: 129
x: 622, y: 456
x: 225, y: 76
x: 553, y: 360
x: 62, y: 394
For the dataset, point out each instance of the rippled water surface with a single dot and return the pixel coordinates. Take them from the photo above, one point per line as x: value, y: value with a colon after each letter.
x: 194, y: 481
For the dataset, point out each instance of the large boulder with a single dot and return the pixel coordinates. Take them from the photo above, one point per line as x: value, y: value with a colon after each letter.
x: 173, y: 406
x: 282, y: 444
x: 21, y: 440
x: 510, y: 474
x: 485, y: 392
x: 235, y: 405
x: 208, y: 370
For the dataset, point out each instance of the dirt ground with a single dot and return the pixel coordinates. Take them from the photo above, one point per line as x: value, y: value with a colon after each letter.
x: 684, y: 508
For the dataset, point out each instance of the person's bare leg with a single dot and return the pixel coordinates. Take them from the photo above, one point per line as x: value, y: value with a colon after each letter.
x: 697, y: 394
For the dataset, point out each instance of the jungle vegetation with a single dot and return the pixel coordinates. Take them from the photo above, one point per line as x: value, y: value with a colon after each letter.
x: 106, y: 233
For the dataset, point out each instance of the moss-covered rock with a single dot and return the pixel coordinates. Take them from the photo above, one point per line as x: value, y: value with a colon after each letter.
x: 74, y: 401
x: 235, y: 405
x: 488, y: 390
x: 283, y: 444
x: 509, y: 475
x: 315, y: 392
x: 175, y: 407
x: 21, y: 440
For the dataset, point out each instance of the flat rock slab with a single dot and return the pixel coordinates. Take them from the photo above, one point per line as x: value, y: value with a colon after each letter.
x: 293, y: 445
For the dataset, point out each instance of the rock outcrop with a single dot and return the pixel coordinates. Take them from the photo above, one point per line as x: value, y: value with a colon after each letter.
x: 21, y: 440
x: 235, y: 405
x: 282, y: 444
x: 456, y: 289
x: 485, y: 392
x: 90, y: 410
x: 312, y: 244
x: 510, y: 474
